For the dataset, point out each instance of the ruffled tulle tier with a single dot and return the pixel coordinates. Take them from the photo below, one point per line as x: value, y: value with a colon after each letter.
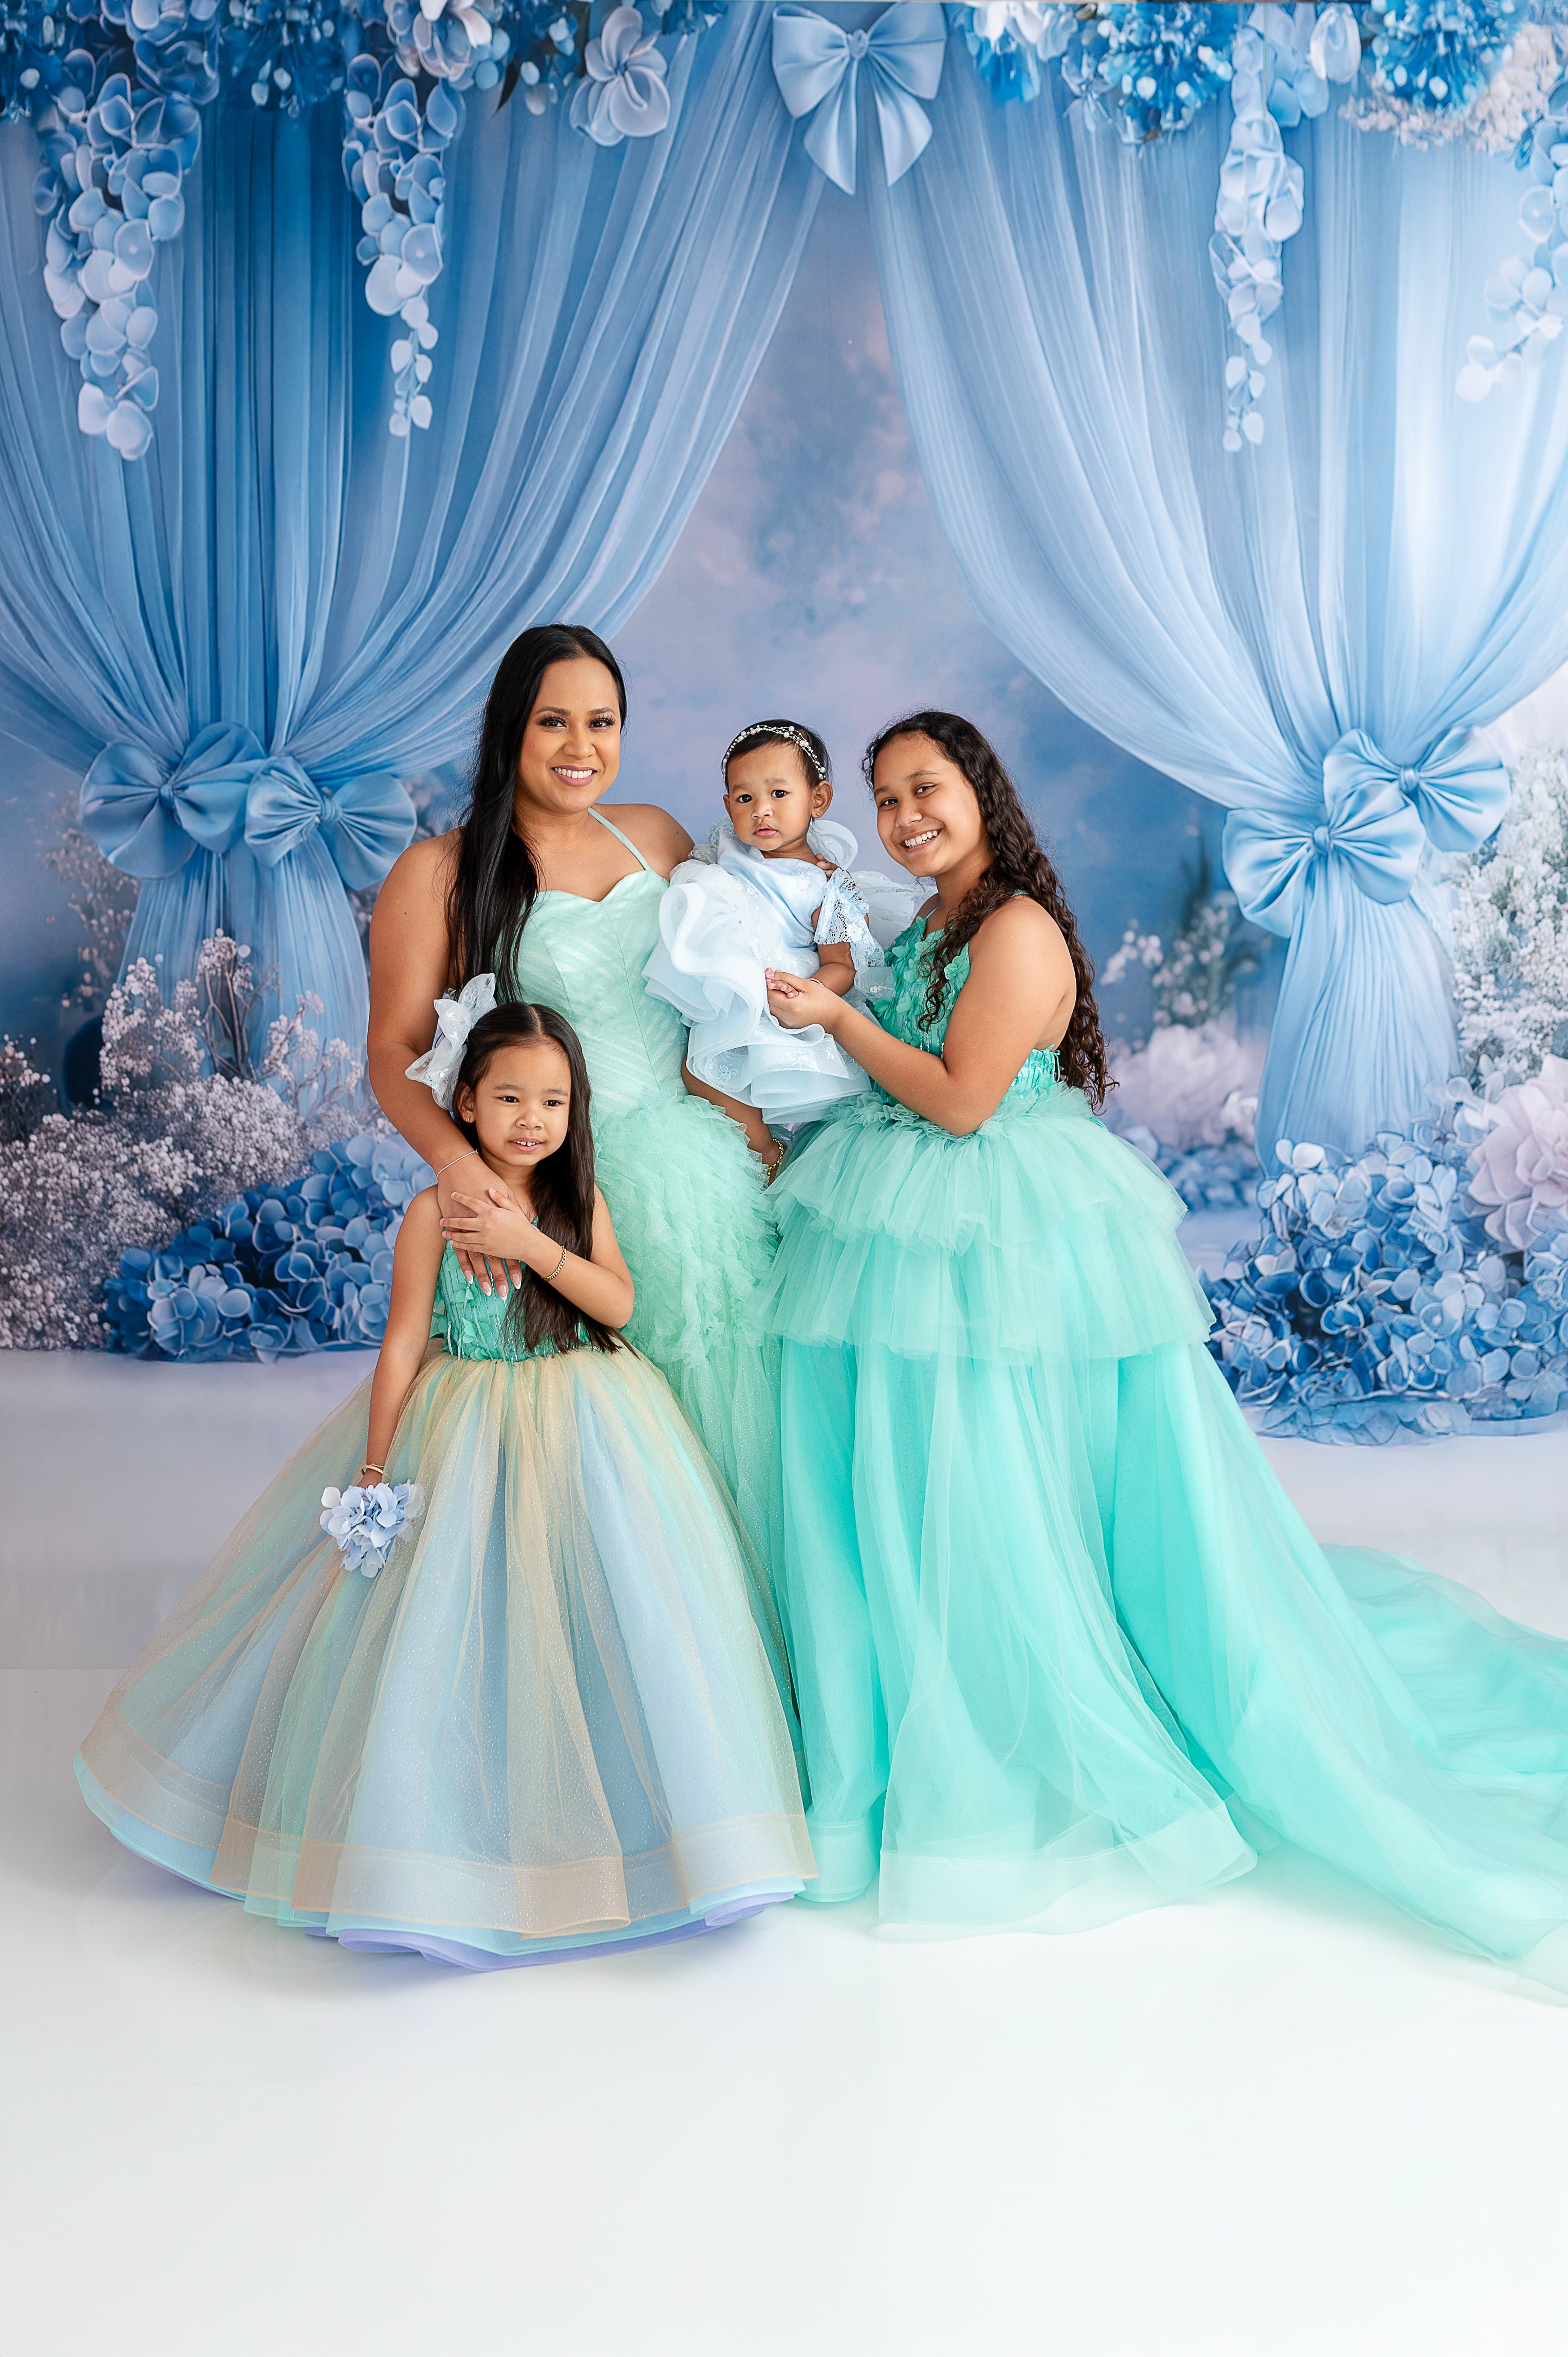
x: 550, y: 1723
x: 691, y: 1214
x: 1039, y: 1234
x: 1064, y: 1648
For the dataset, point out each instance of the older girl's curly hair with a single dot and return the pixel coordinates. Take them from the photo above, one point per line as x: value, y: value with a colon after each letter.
x: 1017, y: 864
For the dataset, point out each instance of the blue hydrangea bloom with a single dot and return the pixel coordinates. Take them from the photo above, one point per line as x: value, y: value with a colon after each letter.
x: 1440, y: 54
x: 1153, y: 69
x: 302, y: 1266
x: 1374, y: 1303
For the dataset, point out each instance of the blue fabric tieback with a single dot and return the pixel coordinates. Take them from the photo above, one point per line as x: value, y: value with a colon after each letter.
x: 1378, y: 819
x: 817, y: 65
x: 364, y: 822
x: 147, y: 816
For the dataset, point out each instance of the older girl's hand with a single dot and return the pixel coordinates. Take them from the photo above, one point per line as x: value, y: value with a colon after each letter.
x: 794, y: 1001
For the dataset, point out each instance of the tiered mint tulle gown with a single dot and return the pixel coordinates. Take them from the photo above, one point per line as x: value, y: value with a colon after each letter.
x: 551, y: 1723
x: 1063, y: 1646
x: 684, y: 1192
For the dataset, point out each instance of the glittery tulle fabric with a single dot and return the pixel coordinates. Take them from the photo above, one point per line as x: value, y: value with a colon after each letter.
x: 1064, y: 1648
x: 553, y: 1720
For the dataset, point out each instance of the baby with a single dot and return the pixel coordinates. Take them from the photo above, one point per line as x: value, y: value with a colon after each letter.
x: 773, y: 889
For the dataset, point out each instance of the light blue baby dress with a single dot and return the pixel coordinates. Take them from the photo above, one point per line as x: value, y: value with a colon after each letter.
x: 729, y: 916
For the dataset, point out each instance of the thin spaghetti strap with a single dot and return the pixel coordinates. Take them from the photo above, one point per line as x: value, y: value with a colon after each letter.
x: 620, y: 837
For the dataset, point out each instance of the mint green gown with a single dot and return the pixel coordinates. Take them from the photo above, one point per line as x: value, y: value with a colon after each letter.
x: 1063, y: 1646
x: 684, y: 1192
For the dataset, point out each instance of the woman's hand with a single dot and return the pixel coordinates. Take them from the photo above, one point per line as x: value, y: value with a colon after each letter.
x: 448, y: 1197
x: 794, y: 1001
x: 496, y: 1235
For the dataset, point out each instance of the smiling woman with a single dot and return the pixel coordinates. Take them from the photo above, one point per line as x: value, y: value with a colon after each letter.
x: 560, y: 901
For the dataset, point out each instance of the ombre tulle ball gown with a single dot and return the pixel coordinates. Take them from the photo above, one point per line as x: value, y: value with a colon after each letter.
x: 1063, y: 1646
x: 551, y: 1724
x: 686, y: 1196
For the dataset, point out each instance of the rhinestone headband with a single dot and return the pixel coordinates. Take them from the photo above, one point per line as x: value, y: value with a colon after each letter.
x: 771, y: 730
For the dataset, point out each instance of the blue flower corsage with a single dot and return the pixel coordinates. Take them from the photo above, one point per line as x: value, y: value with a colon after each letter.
x: 367, y: 1524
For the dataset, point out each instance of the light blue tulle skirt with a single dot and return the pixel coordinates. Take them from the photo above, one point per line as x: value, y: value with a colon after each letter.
x: 1063, y: 1646
x: 556, y: 1722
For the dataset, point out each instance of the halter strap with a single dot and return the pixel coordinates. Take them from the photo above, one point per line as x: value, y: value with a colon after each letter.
x: 620, y: 837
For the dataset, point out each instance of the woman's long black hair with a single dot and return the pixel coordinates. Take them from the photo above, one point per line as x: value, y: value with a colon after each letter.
x: 1017, y: 864
x: 563, y: 1184
x: 495, y: 883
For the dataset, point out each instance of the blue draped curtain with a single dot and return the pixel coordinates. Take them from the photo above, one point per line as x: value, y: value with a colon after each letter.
x: 1304, y: 631
x: 247, y: 636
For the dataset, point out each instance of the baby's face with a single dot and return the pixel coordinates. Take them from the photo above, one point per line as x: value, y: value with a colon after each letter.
x: 771, y: 801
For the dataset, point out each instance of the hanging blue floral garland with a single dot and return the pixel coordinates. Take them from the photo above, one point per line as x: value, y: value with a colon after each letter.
x: 118, y: 122
x: 114, y: 91
x: 115, y: 88
x: 1425, y: 70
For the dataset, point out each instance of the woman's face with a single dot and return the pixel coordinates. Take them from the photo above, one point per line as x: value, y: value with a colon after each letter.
x: 571, y: 746
x: 927, y: 813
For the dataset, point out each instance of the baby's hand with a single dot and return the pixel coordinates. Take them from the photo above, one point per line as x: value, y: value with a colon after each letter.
x: 794, y: 1002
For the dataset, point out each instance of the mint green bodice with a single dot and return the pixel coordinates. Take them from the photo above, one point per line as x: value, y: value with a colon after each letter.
x: 586, y: 958
x: 901, y: 1013
x: 476, y: 1322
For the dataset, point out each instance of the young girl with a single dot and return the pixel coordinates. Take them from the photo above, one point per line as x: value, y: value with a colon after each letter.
x: 556, y: 1720
x: 775, y: 891
x: 1064, y: 1646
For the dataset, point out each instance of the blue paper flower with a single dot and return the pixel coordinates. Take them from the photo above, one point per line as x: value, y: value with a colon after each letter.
x: 623, y: 94
x: 367, y: 1524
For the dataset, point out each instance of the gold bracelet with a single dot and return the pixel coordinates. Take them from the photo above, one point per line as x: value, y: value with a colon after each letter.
x: 558, y: 1267
x: 366, y: 1467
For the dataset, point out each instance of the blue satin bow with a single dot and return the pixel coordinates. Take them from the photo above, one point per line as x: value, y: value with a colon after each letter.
x: 1377, y: 819
x: 817, y: 67
x: 364, y: 822
x: 147, y: 817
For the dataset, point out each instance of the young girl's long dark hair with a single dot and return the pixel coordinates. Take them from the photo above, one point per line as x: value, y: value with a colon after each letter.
x: 563, y: 1182
x: 495, y: 881
x: 1017, y: 864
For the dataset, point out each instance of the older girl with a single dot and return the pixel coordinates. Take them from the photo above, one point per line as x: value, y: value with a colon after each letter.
x: 1063, y: 1646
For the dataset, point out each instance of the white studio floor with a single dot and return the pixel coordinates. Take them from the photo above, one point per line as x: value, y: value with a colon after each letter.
x: 1279, y: 2123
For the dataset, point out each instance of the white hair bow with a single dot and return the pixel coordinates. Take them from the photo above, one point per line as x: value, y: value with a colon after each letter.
x: 455, y: 1018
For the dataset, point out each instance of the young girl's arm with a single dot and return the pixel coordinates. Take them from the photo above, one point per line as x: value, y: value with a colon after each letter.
x: 414, y: 1266
x: 1019, y: 995
x: 758, y: 1137
x: 599, y: 1283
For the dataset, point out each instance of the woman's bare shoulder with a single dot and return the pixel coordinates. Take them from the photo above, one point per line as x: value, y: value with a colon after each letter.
x: 660, y: 837
x: 423, y: 872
